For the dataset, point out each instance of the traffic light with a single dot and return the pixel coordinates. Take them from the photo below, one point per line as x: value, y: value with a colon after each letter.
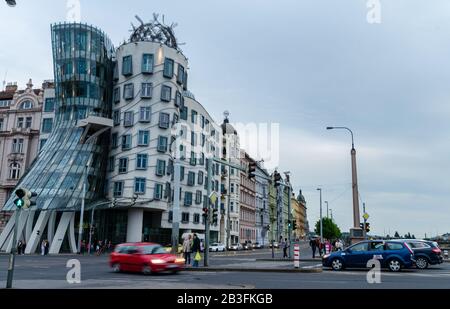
x: 205, y: 212
x: 215, y: 217
x: 361, y: 225
x: 367, y: 227
x: 24, y: 198
x: 289, y: 223
x: 252, y: 170
x: 294, y: 225
x: 277, y: 178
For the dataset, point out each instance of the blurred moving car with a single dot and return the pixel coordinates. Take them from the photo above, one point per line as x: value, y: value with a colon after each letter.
x: 216, y: 247
x: 258, y: 245
x: 394, y: 255
x: 146, y: 258
x: 235, y: 247
x: 276, y: 245
x: 425, y: 252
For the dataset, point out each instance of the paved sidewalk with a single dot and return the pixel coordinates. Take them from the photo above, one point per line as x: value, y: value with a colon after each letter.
x: 262, y: 266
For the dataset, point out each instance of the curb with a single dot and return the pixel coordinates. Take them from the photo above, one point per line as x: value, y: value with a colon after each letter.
x: 267, y: 270
x: 289, y: 260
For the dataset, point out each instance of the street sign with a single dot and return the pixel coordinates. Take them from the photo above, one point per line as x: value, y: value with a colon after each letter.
x: 366, y: 216
x: 213, y: 198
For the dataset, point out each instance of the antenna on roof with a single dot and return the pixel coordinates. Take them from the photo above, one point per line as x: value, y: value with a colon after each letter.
x: 4, y: 81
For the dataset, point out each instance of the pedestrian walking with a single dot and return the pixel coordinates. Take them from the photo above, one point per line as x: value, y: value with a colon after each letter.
x: 196, y: 250
x: 313, y: 245
x: 285, y: 248
x: 24, y: 246
x: 19, y: 247
x: 46, y: 247
x: 43, y: 247
x: 187, y: 244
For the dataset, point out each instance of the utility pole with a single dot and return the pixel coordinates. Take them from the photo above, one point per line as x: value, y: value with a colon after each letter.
x: 326, y: 202
x: 321, y: 224
x: 176, y: 206
x: 208, y: 215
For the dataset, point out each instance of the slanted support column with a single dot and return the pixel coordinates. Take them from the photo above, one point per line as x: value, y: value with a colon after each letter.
x: 66, y: 217
x: 135, y: 224
x: 34, y: 240
x: 51, y: 226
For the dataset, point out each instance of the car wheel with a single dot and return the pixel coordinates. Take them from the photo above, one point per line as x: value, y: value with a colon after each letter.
x: 116, y: 268
x: 422, y: 263
x: 217, y: 250
x: 337, y: 264
x: 394, y: 265
x: 147, y: 270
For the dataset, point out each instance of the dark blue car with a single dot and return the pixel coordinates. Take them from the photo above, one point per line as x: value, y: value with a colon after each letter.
x: 393, y: 255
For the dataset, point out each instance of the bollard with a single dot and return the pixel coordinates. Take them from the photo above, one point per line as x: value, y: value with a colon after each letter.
x: 297, y: 256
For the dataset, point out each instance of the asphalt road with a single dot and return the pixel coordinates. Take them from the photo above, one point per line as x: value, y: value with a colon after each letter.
x: 51, y: 271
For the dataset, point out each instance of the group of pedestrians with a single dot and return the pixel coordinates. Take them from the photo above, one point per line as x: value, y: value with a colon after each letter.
x: 192, y: 246
x: 98, y: 247
x: 325, y: 247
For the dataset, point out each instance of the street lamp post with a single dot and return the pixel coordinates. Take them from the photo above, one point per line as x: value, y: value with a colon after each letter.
x: 356, y: 232
x: 331, y: 213
x: 321, y: 224
x: 326, y: 202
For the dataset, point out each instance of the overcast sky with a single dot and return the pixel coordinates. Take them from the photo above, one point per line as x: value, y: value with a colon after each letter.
x: 305, y: 65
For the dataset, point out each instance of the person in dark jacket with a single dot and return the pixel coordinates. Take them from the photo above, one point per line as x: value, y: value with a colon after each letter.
x: 195, y: 249
x: 313, y: 245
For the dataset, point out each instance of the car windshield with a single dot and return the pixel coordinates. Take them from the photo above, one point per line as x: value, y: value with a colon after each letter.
x: 155, y: 249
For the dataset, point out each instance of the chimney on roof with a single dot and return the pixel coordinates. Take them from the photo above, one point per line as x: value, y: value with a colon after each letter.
x: 11, y: 87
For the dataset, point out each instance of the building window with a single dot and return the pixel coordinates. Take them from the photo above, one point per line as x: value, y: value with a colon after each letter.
x: 178, y: 99
x: 49, y: 105
x: 185, y: 80
x: 170, y: 218
x: 191, y: 179
x: 127, y: 65
x: 28, y: 122
x: 123, y: 165
x: 194, y: 116
x: 193, y: 139
x: 111, y: 164
x: 185, y: 217
x: 81, y: 40
x: 201, y: 161
x: 139, y: 185
x: 143, y: 138
x: 164, y: 120
x: 200, y: 177
x: 26, y: 105
x: 42, y: 143
x: 145, y: 113
x: 184, y: 113
x: 187, y: 198
x: 141, y: 161
x: 128, y: 91
x: 182, y: 172
x: 14, y: 171
x: 180, y: 75
x: 118, y: 189
x: 1, y: 124
x: 231, y: 206
x: 198, y: 197
x: 196, y: 218
x: 47, y: 125
x: 168, y: 68
x: 193, y: 160
x: 147, y: 90
x: 126, y: 142
x: 128, y: 119
x: 147, y: 63
x: 160, y: 167
x: 20, y: 122
x: 116, y: 117
x: 162, y: 144
x: 114, y: 140
x: 17, y: 146
x: 116, y: 95
x: 158, y: 193
x: 166, y: 93
x: 232, y: 188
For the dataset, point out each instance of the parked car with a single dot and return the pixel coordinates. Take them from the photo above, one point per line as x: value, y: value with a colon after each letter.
x: 258, y: 245
x: 246, y: 246
x: 216, y: 247
x: 235, y: 247
x: 425, y: 252
x: 146, y: 258
x: 394, y: 255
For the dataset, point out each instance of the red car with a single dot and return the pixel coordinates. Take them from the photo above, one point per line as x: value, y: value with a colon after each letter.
x: 144, y: 257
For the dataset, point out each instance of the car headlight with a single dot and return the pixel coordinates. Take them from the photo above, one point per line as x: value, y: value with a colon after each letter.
x: 326, y: 256
x: 180, y: 260
x: 158, y: 261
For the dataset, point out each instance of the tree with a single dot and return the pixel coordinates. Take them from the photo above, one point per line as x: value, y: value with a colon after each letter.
x: 413, y: 236
x: 396, y: 235
x: 330, y: 229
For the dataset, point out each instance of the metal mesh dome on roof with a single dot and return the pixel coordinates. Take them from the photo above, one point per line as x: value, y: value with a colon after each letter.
x: 189, y: 94
x: 154, y: 31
